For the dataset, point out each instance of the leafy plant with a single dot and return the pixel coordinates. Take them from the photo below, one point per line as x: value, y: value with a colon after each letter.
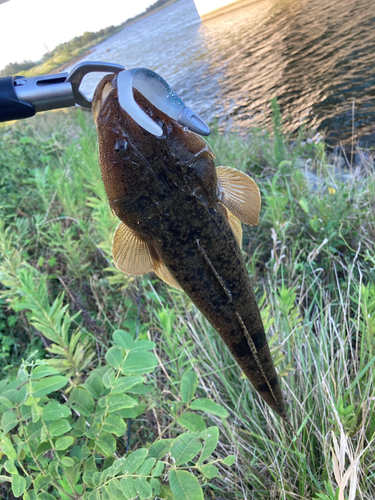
x: 69, y: 448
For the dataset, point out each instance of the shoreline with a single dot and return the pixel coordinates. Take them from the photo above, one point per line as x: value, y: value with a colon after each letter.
x: 124, y: 25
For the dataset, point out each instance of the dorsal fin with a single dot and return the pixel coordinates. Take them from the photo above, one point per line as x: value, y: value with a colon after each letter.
x: 239, y: 193
x: 131, y: 253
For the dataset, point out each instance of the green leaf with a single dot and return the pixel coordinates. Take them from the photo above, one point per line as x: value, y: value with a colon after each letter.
x: 189, y: 383
x: 185, y: 447
x: 10, y: 467
x: 79, y: 427
x: 115, y: 425
x: 42, y: 481
x: 209, y: 470
x: 68, y: 462
x: 117, y: 402
x: 304, y: 205
x: 45, y: 496
x: 18, y: 485
x: 209, y: 406
x: 132, y: 412
x: 94, y: 385
x: 139, y: 363
x: 64, y: 442
x: 8, y: 421
x: 42, y: 448
x: 6, y: 402
x: 229, y: 460
x: 158, y: 469
x: 108, y: 378
x: 156, y: 486
x: 143, y: 488
x: 145, y: 468
x: 30, y: 495
x: 59, y: 427
x: 111, y: 489
x: 134, y: 460
x: 48, y: 385
x: 94, y: 495
x: 123, y: 384
x: 82, y: 401
x: 114, y: 357
x: 55, y: 410
x: 143, y: 345
x: 87, y: 477
x: 13, y: 395
x: 33, y: 431
x: 106, y: 444
x: 140, y: 389
x: 123, y: 339
x: 184, y: 485
x: 42, y: 371
x: 3, y: 384
x: 128, y: 488
x: 192, y: 421
x: 211, y: 438
x: 160, y: 448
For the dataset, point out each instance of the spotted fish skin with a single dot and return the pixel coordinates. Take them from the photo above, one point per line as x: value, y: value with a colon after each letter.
x: 165, y: 189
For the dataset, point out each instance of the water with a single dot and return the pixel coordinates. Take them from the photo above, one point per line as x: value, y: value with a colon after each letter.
x: 316, y: 56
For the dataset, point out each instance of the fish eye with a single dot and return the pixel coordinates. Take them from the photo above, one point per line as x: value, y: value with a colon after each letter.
x: 159, y: 122
x: 120, y: 145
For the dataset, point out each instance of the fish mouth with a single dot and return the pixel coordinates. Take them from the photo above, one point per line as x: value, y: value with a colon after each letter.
x: 157, y: 91
x: 102, y: 92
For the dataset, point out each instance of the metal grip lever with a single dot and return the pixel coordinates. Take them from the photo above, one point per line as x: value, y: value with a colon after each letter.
x: 45, y: 92
x: 22, y: 97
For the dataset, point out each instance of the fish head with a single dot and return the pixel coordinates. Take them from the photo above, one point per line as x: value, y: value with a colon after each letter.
x: 124, y: 144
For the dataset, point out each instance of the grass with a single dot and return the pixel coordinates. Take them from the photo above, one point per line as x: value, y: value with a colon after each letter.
x: 312, y: 260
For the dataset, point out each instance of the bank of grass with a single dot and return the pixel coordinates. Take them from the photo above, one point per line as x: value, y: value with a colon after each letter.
x: 312, y: 259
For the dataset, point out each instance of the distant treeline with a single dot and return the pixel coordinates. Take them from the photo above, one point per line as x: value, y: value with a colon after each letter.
x: 155, y: 6
x: 14, y: 68
x: 67, y: 51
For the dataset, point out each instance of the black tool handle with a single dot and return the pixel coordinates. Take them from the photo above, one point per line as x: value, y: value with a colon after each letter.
x: 11, y: 108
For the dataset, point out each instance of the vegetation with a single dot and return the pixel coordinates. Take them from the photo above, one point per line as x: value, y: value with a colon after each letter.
x: 85, y: 348
x: 67, y: 52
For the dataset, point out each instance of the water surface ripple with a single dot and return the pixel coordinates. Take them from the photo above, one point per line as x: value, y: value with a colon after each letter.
x: 316, y: 56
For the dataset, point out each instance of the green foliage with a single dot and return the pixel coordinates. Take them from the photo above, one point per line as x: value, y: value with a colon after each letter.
x: 70, y: 448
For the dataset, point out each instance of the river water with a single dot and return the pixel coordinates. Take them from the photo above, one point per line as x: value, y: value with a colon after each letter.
x: 316, y: 56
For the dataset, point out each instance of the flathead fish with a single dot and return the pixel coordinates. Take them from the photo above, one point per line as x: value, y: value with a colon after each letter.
x: 180, y: 217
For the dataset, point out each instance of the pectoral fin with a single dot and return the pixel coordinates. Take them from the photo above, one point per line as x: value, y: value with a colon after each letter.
x: 166, y: 276
x: 131, y: 253
x: 239, y: 193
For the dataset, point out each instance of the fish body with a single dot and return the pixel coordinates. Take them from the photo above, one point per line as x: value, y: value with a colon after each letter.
x: 174, y: 204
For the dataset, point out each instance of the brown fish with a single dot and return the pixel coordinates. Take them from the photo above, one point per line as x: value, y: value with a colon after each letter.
x: 180, y: 217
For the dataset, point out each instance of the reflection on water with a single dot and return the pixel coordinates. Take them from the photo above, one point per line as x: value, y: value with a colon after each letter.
x: 316, y: 56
